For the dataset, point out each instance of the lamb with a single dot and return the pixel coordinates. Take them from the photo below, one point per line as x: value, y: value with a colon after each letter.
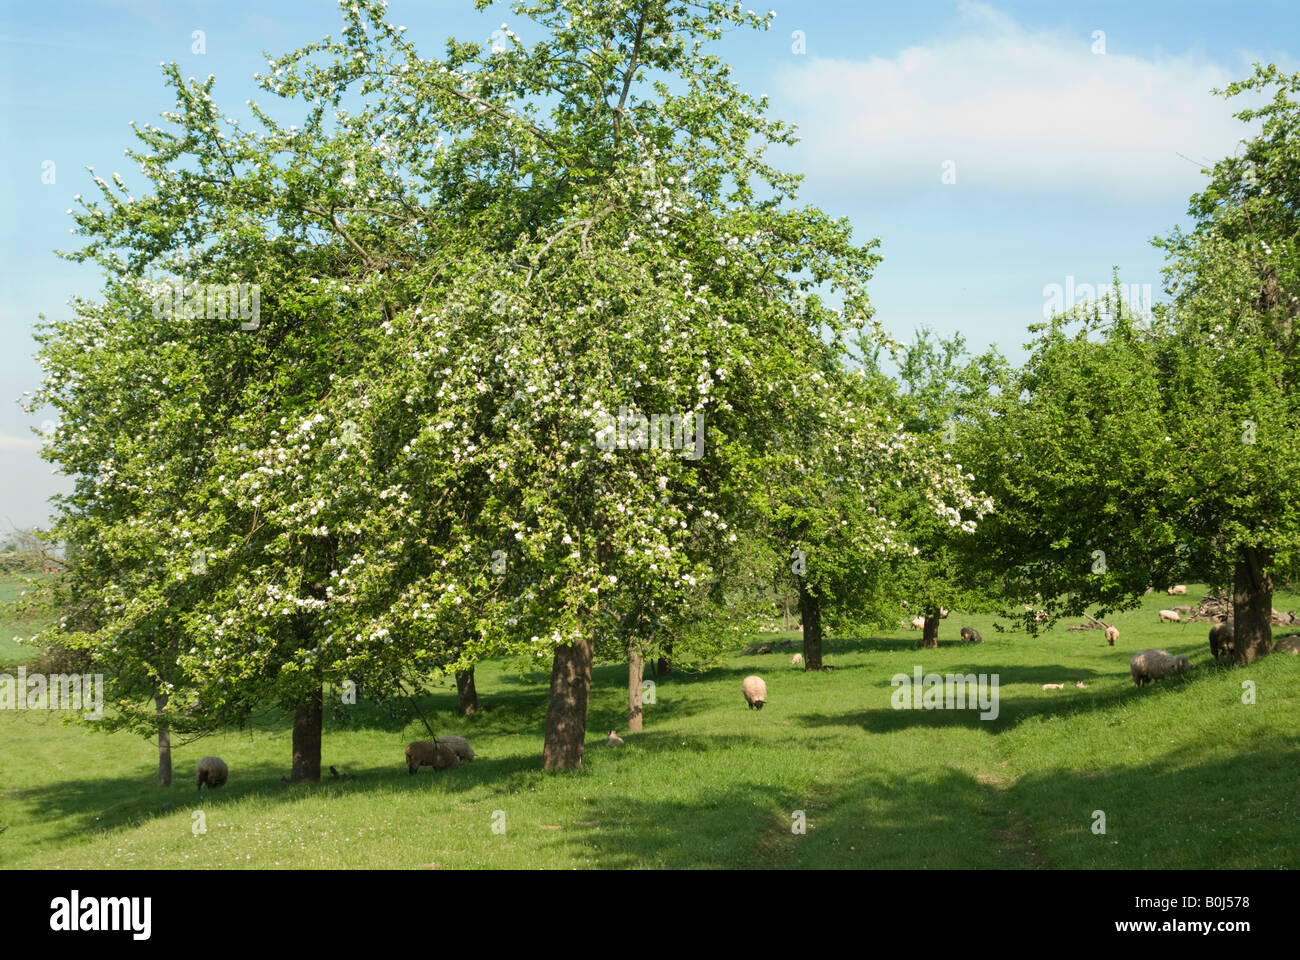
x: 212, y: 771
x: 796, y: 659
x: 918, y: 623
x: 1112, y: 634
x: 614, y: 739
x: 460, y: 745
x: 1171, y: 616
x: 1177, y: 589
x: 1149, y: 665
x: 755, y: 691
x: 1053, y: 686
x: 971, y: 635
x: 427, y: 753
x: 1287, y: 645
x: 1221, y: 640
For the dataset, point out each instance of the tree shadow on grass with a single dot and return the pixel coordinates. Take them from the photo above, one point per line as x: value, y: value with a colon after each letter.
x: 1012, y: 708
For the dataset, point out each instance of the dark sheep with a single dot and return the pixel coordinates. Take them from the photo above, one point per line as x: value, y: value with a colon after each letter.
x: 1221, y: 640
x: 971, y: 635
x: 212, y: 772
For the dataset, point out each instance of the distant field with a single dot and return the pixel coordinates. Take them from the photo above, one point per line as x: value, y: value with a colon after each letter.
x: 10, y: 652
x: 1185, y: 773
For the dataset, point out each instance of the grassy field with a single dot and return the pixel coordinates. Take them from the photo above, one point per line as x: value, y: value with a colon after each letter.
x: 11, y: 586
x: 1184, y: 772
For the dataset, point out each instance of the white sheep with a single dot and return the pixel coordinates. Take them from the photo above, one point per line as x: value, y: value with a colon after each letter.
x: 1171, y: 616
x: 1053, y: 686
x: 755, y: 691
x: 918, y: 623
x: 426, y: 753
x: 614, y: 739
x: 1112, y: 634
x: 1177, y: 589
x: 460, y: 745
x: 212, y: 771
x: 1287, y: 645
x: 796, y: 659
x: 1149, y: 665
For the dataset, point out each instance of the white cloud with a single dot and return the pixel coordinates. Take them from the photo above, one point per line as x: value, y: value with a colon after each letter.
x: 10, y: 444
x: 1014, y: 109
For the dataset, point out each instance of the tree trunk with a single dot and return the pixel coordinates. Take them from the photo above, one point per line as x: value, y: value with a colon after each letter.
x: 164, y: 742
x: 307, y: 723
x: 566, y: 713
x: 665, y: 666
x: 810, y: 612
x: 930, y: 636
x: 467, y: 692
x: 635, y: 670
x: 1252, y: 606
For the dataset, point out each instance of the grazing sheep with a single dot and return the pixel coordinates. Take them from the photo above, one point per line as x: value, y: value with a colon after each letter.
x: 614, y: 739
x: 1053, y: 686
x: 796, y: 659
x: 212, y: 771
x: 460, y: 745
x: 748, y: 649
x: 918, y: 623
x: 1221, y: 640
x: 1287, y: 645
x: 971, y: 635
x: 1177, y: 590
x: 764, y: 648
x: 426, y: 753
x: 1112, y: 634
x: 1149, y: 665
x: 1171, y: 616
x: 755, y: 691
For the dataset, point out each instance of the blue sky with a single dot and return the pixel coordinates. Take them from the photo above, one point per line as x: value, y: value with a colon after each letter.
x: 1064, y: 160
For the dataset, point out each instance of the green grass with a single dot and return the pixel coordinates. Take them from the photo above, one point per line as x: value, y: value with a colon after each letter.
x: 1186, y: 774
x: 11, y: 652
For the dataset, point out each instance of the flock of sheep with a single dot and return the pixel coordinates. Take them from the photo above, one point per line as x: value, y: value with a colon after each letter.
x: 1146, y: 666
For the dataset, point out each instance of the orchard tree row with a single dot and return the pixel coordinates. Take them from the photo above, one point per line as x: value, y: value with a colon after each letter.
x: 390, y: 424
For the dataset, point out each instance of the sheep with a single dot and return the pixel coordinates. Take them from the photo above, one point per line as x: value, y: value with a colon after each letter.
x: 943, y: 613
x: 971, y: 635
x: 460, y: 745
x: 1053, y: 686
x: 1149, y: 665
x: 614, y: 739
x: 1177, y: 589
x: 1287, y: 645
x: 796, y: 659
x: 1221, y: 640
x: 918, y: 623
x: 755, y: 691
x: 212, y: 771
x: 427, y: 753
x: 1112, y: 634
x: 1171, y: 616
x: 1081, y: 685
x: 765, y: 648
x: 1040, y: 616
